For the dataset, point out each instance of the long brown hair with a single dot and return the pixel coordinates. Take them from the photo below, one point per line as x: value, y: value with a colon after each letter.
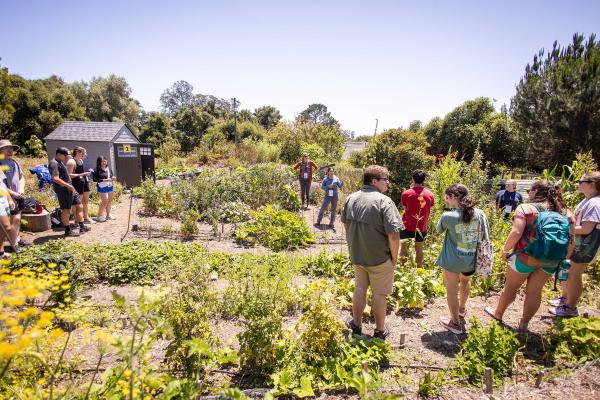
x: 546, y: 191
x: 465, y: 201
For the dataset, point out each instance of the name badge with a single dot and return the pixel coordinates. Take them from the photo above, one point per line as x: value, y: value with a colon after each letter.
x: 507, y: 209
x: 330, y: 193
x: 305, y: 175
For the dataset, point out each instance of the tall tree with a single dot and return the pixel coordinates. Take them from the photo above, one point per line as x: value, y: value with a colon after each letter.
x: 7, y: 95
x: 556, y: 108
x: 192, y: 122
x: 316, y: 114
x: 108, y: 99
x: 401, y: 152
x: 156, y: 127
x: 40, y: 106
x: 179, y: 95
x: 267, y: 116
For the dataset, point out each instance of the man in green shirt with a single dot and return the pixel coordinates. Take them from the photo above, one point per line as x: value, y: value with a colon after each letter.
x: 373, y: 226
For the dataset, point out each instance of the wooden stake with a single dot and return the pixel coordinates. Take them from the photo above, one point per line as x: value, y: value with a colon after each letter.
x: 402, y: 339
x: 489, y: 381
x: 538, y: 380
x: 365, y: 366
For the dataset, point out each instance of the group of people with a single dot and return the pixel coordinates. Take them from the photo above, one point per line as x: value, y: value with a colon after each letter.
x: 331, y: 184
x: 378, y: 236
x: 71, y: 183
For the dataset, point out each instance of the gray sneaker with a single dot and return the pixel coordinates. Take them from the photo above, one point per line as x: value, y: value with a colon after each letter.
x: 564, y: 311
x: 558, y: 302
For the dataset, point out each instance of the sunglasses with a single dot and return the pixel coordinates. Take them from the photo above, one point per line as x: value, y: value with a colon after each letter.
x: 530, y: 190
x: 584, y: 181
x: 384, y: 179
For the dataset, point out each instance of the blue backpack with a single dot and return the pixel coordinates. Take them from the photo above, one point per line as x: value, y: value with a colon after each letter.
x: 551, y: 237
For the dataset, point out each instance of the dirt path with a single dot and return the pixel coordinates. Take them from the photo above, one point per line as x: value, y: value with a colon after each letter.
x: 163, y: 229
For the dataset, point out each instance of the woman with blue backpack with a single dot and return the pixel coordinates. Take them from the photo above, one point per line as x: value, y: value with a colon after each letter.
x: 587, y: 243
x: 538, y: 242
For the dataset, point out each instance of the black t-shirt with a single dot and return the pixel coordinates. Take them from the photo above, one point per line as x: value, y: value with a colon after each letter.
x: 80, y: 180
x: 59, y: 169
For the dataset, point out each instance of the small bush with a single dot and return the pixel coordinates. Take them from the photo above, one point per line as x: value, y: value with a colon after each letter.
x: 275, y: 229
x: 189, y: 224
x: 579, y: 337
x: 494, y: 347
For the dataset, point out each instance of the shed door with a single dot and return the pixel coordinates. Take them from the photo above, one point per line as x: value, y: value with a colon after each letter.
x: 147, y: 156
x: 128, y: 164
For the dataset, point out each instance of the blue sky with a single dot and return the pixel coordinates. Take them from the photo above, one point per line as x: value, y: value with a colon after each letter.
x: 393, y: 60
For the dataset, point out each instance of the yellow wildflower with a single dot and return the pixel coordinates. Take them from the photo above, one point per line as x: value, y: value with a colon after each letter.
x: 52, y: 265
x: 7, y: 350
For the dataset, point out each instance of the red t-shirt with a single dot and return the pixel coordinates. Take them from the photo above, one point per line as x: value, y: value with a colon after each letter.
x: 417, y: 203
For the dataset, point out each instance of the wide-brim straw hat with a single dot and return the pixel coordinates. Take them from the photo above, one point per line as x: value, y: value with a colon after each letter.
x: 6, y: 143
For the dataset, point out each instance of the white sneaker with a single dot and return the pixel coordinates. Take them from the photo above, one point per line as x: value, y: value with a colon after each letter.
x: 110, y: 218
x: 101, y: 219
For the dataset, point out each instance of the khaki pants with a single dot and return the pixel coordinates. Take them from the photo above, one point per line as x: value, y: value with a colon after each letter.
x: 379, y: 277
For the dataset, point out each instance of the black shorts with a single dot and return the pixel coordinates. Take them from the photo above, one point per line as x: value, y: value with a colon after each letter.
x: 418, y: 236
x: 586, y: 247
x: 82, y: 187
x: 469, y: 273
x: 66, y: 198
x: 19, y: 206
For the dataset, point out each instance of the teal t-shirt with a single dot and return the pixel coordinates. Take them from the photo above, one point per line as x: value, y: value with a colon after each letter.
x: 460, y: 242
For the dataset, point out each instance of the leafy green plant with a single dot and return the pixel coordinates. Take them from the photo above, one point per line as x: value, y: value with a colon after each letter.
x: 185, y: 311
x: 136, y: 261
x: 570, y: 175
x: 234, y: 212
x: 189, y: 224
x: 156, y: 198
x: 494, y: 347
x: 275, y: 229
x: 328, y: 264
x: 579, y: 336
x: 414, y: 286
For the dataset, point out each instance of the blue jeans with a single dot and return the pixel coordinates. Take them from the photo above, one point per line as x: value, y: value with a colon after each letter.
x: 304, y: 190
x: 326, y: 201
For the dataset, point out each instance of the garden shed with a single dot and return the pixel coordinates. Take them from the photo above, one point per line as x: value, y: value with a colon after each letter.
x: 131, y: 160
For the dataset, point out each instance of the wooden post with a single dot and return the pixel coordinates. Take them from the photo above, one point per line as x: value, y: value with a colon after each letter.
x: 489, y: 381
x: 402, y: 339
x: 365, y: 366
x: 538, y: 380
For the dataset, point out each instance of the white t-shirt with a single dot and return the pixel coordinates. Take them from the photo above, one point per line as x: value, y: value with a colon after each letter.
x: 3, y: 191
x: 588, y: 211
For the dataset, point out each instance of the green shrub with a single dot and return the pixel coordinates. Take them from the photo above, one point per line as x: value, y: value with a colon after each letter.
x: 259, y: 291
x: 185, y: 311
x: 413, y: 287
x: 234, y: 212
x: 494, y: 347
x: 401, y: 152
x: 579, y: 337
x: 267, y: 152
x: 189, y: 223
x: 327, y: 264
x: 156, y: 199
x: 275, y: 229
x: 138, y: 261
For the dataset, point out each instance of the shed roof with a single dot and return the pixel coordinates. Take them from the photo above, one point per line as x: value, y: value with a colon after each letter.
x: 86, y: 131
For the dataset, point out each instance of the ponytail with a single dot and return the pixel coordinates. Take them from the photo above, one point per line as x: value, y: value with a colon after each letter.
x: 465, y: 201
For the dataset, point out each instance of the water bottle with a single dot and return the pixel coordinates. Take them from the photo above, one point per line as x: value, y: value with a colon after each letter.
x: 563, y: 270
